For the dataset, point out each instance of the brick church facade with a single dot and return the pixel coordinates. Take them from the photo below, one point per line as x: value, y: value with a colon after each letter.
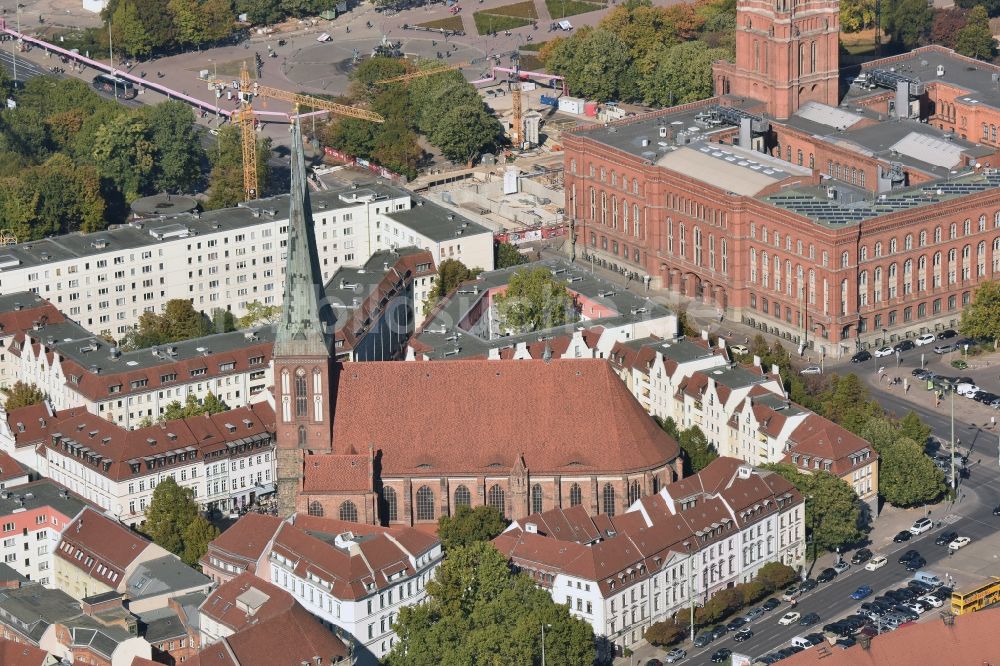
x: 406, y: 443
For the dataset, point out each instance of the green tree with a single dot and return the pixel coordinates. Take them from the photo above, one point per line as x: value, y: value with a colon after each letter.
x: 992, y: 6
x: 196, y: 537
x: 698, y: 451
x: 395, y: 147
x: 261, y: 12
x: 677, y: 74
x: 21, y: 394
x: 179, y: 153
x: 129, y: 31
x: 477, y: 612
x: 596, y: 64
x: 833, y: 514
x: 911, y: 427
x: 981, y: 319
x: 125, y: 155
x: 945, y: 26
x: 258, y: 314
x: 218, y: 18
x: 666, y: 633
x: 848, y: 403
x: 170, y: 512
x: 211, y: 404
x: 506, y: 255
x: 225, y: 183
x: 776, y: 575
x: 534, y: 300
x: 976, y: 38
x: 366, y: 76
x: 69, y: 197
x: 909, y: 22
x: 179, y: 321
x: 669, y: 426
x: 451, y: 273
x: 465, y: 131
x: 908, y: 477
x: 468, y: 525
x: 188, y: 21
x: 857, y: 15
x: 223, y: 321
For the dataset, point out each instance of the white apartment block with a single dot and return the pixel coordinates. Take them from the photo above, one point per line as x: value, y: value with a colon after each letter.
x: 32, y: 519
x: 352, y: 576
x: 714, y: 529
x: 226, y: 459
x: 227, y: 258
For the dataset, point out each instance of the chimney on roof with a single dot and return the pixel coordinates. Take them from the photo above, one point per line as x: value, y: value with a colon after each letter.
x: 704, y: 335
x: 865, y: 641
x: 948, y: 619
x: 774, y: 369
x: 722, y: 342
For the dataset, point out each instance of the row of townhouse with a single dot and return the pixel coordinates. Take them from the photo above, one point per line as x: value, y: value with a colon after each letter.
x: 355, y: 578
x: 677, y: 547
x: 230, y: 257
x: 743, y: 410
x: 227, y: 459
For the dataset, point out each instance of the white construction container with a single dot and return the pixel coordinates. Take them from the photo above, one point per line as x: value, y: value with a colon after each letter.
x: 571, y: 105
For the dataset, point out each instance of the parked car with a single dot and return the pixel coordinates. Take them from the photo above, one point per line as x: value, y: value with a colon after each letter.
x: 921, y: 525
x: 808, y: 619
x: 884, y: 351
x: 676, y: 655
x: 966, y: 390
x: 925, y: 339
x: 753, y: 614
x: 736, y: 623
x: 899, y: 595
x: 815, y: 639
x: 908, y: 555
x: 811, y: 370
x: 947, y: 334
x: 791, y: 617
x: 943, y: 593
x: 986, y: 398
x: 861, y: 556
x: 770, y: 604
x: 719, y: 631
x: 960, y: 542
x: 841, y: 566
x: 920, y: 373
x: 996, y: 510
x: 932, y: 600
x: 826, y: 575
x: 903, y: 345
x: 915, y: 564
x: 959, y: 364
x: 861, y: 593
x: 721, y: 655
x: 945, y: 348
x: 861, y: 357
x: 902, y: 536
x: 876, y: 563
x: 739, y: 350
x: 808, y: 585
x: 919, y: 586
x: 704, y: 639
x: 744, y: 634
x: 945, y: 538
x: 654, y: 662
x: 791, y: 592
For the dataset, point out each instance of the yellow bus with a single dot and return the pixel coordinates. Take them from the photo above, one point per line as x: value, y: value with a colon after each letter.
x: 977, y: 597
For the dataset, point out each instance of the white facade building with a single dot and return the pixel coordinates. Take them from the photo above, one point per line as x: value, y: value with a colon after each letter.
x: 712, y: 530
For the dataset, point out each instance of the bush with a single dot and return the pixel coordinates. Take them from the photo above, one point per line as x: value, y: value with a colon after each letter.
x: 665, y: 633
x: 775, y: 576
x: 720, y: 605
x: 752, y: 592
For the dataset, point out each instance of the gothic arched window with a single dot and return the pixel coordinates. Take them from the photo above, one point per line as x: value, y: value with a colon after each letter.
x: 315, y: 509
x: 301, y: 396
x: 536, y: 498
x: 425, y: 503
x: 608, y: 497
x: 389, y: 503
x: 575, y: 495
x: 495, y: 498
x: 633, y: 492
x: 463, y: 497
x: 349, y: 512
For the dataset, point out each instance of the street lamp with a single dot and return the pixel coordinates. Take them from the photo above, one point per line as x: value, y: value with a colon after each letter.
x: 812, y: 527
x: 543, y: 641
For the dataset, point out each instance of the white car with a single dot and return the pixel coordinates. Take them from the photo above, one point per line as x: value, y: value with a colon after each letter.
x: 876, y: 563
x: 967, y: 390
x: 920, y: 525
x: 932, y: 600
x: 960, y: 542
x: 789, y: 618
x: 925, y: 339
x: 916, y: 608
x: 884, y: 351
x: 739, y: 350
x: 811, y: 370
x: 324, y: 37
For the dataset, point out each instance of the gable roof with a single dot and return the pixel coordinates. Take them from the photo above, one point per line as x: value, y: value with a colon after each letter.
x: 246, y: 539
x: 10, y: 468
x: 244, y: 601
x: 21, y: 654
x: 820, y: 438
x: 100, y: 547
x: 565, y: 416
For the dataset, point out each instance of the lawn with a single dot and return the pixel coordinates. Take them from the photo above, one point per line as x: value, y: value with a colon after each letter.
x: 560, y: 9
x: 452, y: 24
x: 533, y: 46
x: 530, y: 62
x: 518, y: 9
x: 490, y: 23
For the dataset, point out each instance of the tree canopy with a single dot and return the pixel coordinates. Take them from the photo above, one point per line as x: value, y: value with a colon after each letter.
x: 981, y: 319
x: 908, y: 21
x: 698, y: 451
x: 258, y: 313
x: 169, y: 513
x: 469, y: 525
x: 975, y: 39
x: 478, y: 612
x: 857, y: 15
x: 196, y: 537
x: 833, y: 514
x: 179, y: 321
x: 534, y: 300
x: 141, y: 28
x: 210, y: 404
x: 225, y: 182
x: 451, y: 273
x: 21, y: 394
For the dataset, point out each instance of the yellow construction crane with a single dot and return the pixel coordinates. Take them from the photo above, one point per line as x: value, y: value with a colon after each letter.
x: 420, y: 73
x: 245, y: 119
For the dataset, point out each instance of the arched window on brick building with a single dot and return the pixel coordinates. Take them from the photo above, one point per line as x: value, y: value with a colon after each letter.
x: 425, y: 503
x: 389, y: 504
x: 495, y: 498
x: 462, y: 496
x: 575, y: 495
x: 536, y: 498
x: 315, y: 509
x: 633, y: 492
x: 349, y: 512
x: 608, y: 499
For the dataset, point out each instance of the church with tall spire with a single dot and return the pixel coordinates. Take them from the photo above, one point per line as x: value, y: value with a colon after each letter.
x: 303, y: 361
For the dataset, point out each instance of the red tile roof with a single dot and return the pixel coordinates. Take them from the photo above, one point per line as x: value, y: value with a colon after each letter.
x: 10, y: 468
x: 100, y: 547
x: 245, y: 541
x: 112, y: 451
x: 35, y: 310
x: 821, y: 438
x: 21, y: 654
x: 565, y: 416
x: 223, y: 607
x: 970, y: 641
x: 339, y: 473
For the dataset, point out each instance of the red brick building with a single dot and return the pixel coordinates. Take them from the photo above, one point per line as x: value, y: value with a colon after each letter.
x: 832, y: 226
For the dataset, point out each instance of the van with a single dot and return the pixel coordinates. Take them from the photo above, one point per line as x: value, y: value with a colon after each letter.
x: 928, y: 578
x: 801, y: 642
x: 920, y: 526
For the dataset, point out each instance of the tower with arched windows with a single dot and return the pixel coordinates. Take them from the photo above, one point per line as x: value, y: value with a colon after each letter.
x: 302, y: 358
x: 786, y: 54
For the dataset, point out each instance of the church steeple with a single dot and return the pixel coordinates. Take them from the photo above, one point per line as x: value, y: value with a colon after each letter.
x: 302, y: 330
